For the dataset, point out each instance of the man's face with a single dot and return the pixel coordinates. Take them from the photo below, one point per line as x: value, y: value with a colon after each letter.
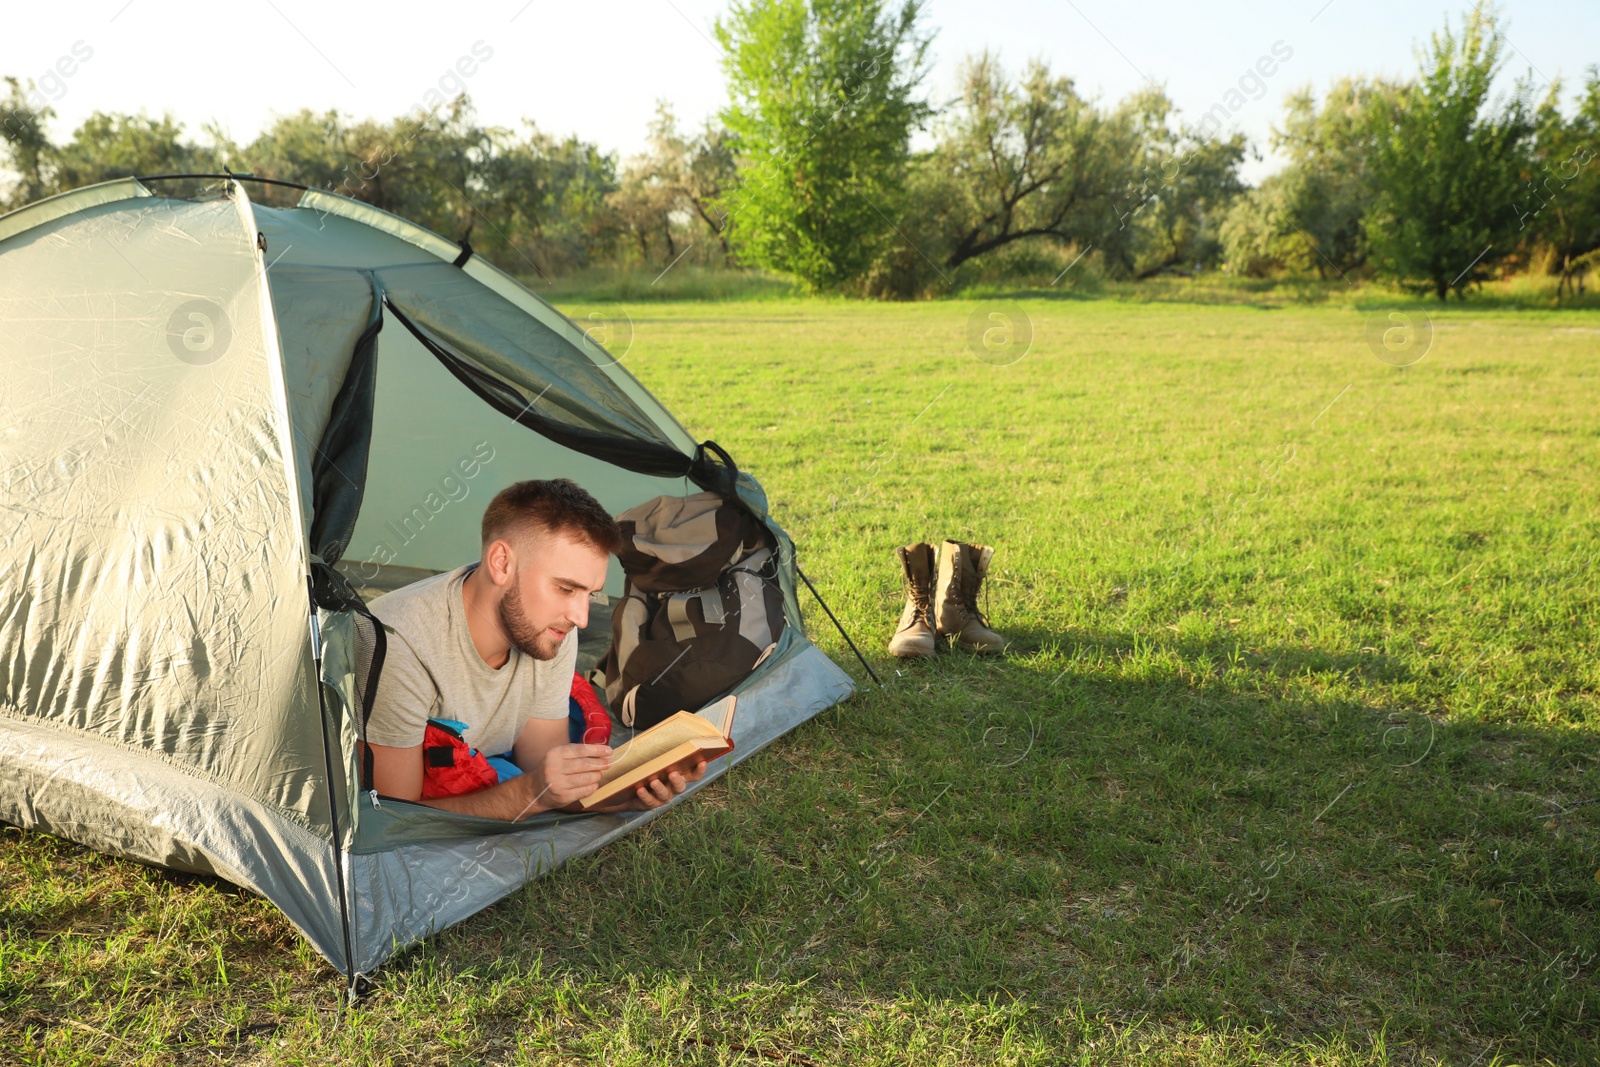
x: 548, y: 594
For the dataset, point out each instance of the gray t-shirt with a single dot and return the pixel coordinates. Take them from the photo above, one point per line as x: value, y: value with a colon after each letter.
x: 433, y: 670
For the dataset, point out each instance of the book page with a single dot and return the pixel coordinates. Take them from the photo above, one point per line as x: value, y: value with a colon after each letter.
x: 720, y: 715
x: 658, y: 740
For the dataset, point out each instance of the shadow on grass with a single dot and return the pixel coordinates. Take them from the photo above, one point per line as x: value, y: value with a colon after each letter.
x: 1181, y: 848
x: 1098, y: 827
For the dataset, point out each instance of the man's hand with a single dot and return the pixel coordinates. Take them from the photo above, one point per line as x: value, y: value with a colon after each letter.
x: 657, y: 791
x: 555, y: 775
x: 565, y: 775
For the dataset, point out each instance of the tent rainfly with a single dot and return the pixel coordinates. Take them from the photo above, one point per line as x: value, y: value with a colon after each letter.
x: 220, y: 420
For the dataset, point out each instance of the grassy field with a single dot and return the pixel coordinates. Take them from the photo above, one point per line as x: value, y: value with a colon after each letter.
x: 1292, y: 760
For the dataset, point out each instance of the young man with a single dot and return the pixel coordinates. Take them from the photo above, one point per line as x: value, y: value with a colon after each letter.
x: 493, y: 644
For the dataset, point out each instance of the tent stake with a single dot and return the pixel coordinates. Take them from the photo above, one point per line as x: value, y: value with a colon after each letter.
x: 838, y: 625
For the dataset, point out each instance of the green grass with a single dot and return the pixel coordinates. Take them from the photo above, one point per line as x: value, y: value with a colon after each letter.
x: 654, y: 285
x: 1292, y: 762
x: 611, y: 286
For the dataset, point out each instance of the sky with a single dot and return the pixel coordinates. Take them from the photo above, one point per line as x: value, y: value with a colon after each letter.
x: 598, y: 68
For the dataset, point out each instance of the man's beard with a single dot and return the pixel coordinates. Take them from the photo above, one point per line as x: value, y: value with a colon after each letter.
x: 514, y: 621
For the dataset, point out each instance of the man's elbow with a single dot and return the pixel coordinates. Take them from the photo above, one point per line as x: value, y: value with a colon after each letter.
x: 397, y: 772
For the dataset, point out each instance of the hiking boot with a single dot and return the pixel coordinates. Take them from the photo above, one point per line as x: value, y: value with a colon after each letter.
x: 913, y: 638
x: 962, y: 568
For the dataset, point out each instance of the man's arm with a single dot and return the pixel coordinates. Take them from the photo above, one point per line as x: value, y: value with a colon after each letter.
x: 555, y: 775
x: 540, y: 737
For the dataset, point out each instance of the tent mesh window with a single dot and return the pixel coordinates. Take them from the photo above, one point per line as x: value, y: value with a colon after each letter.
x: 332, y: 591
x: 370, y: 646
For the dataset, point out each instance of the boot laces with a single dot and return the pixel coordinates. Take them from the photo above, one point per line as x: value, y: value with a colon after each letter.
x: 921, y: 596
x: 969, y: 600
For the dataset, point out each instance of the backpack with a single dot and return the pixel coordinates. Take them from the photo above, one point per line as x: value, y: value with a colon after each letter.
x: 701, y: 606
x: 674, y: 543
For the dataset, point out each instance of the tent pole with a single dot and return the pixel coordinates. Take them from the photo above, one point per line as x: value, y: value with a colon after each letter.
x: 333, y: 799
x: 838, y: 625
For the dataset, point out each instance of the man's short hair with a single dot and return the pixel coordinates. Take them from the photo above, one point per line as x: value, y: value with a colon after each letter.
x: 554, y: 506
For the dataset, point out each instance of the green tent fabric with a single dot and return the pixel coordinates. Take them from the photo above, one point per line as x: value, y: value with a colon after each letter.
x: 219, y: 418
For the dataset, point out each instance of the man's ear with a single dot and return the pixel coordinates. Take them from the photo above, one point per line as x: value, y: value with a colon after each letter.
x: 500, y: 560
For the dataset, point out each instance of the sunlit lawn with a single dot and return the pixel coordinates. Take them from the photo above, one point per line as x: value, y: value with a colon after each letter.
x: 1293, y: 759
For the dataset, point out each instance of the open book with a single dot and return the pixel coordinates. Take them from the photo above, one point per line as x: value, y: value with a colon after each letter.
x: 679, y: 741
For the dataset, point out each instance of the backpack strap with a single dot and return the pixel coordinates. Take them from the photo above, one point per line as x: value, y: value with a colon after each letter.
x: 678, y: 616
x: 711, y: 605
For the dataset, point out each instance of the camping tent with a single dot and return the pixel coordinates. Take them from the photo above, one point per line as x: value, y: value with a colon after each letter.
x: 219, y: 419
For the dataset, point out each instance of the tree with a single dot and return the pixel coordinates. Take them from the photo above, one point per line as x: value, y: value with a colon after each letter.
x: 527, y: 200
x: 646, y: 206
x: 1256, y: 241
x: 544, y: 200
x: 1309, y: 216
x: 312, y: 148
x: 1560, y: 202
x: 1031, y: 161
x: 108, y: 146
x: 669, y: 194
x: 1187, y: 181
x: 1448, y: 163
x: 1329, y: 183
x: 105, y: 146
x: 822, y: 107
x: 24, y: 146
